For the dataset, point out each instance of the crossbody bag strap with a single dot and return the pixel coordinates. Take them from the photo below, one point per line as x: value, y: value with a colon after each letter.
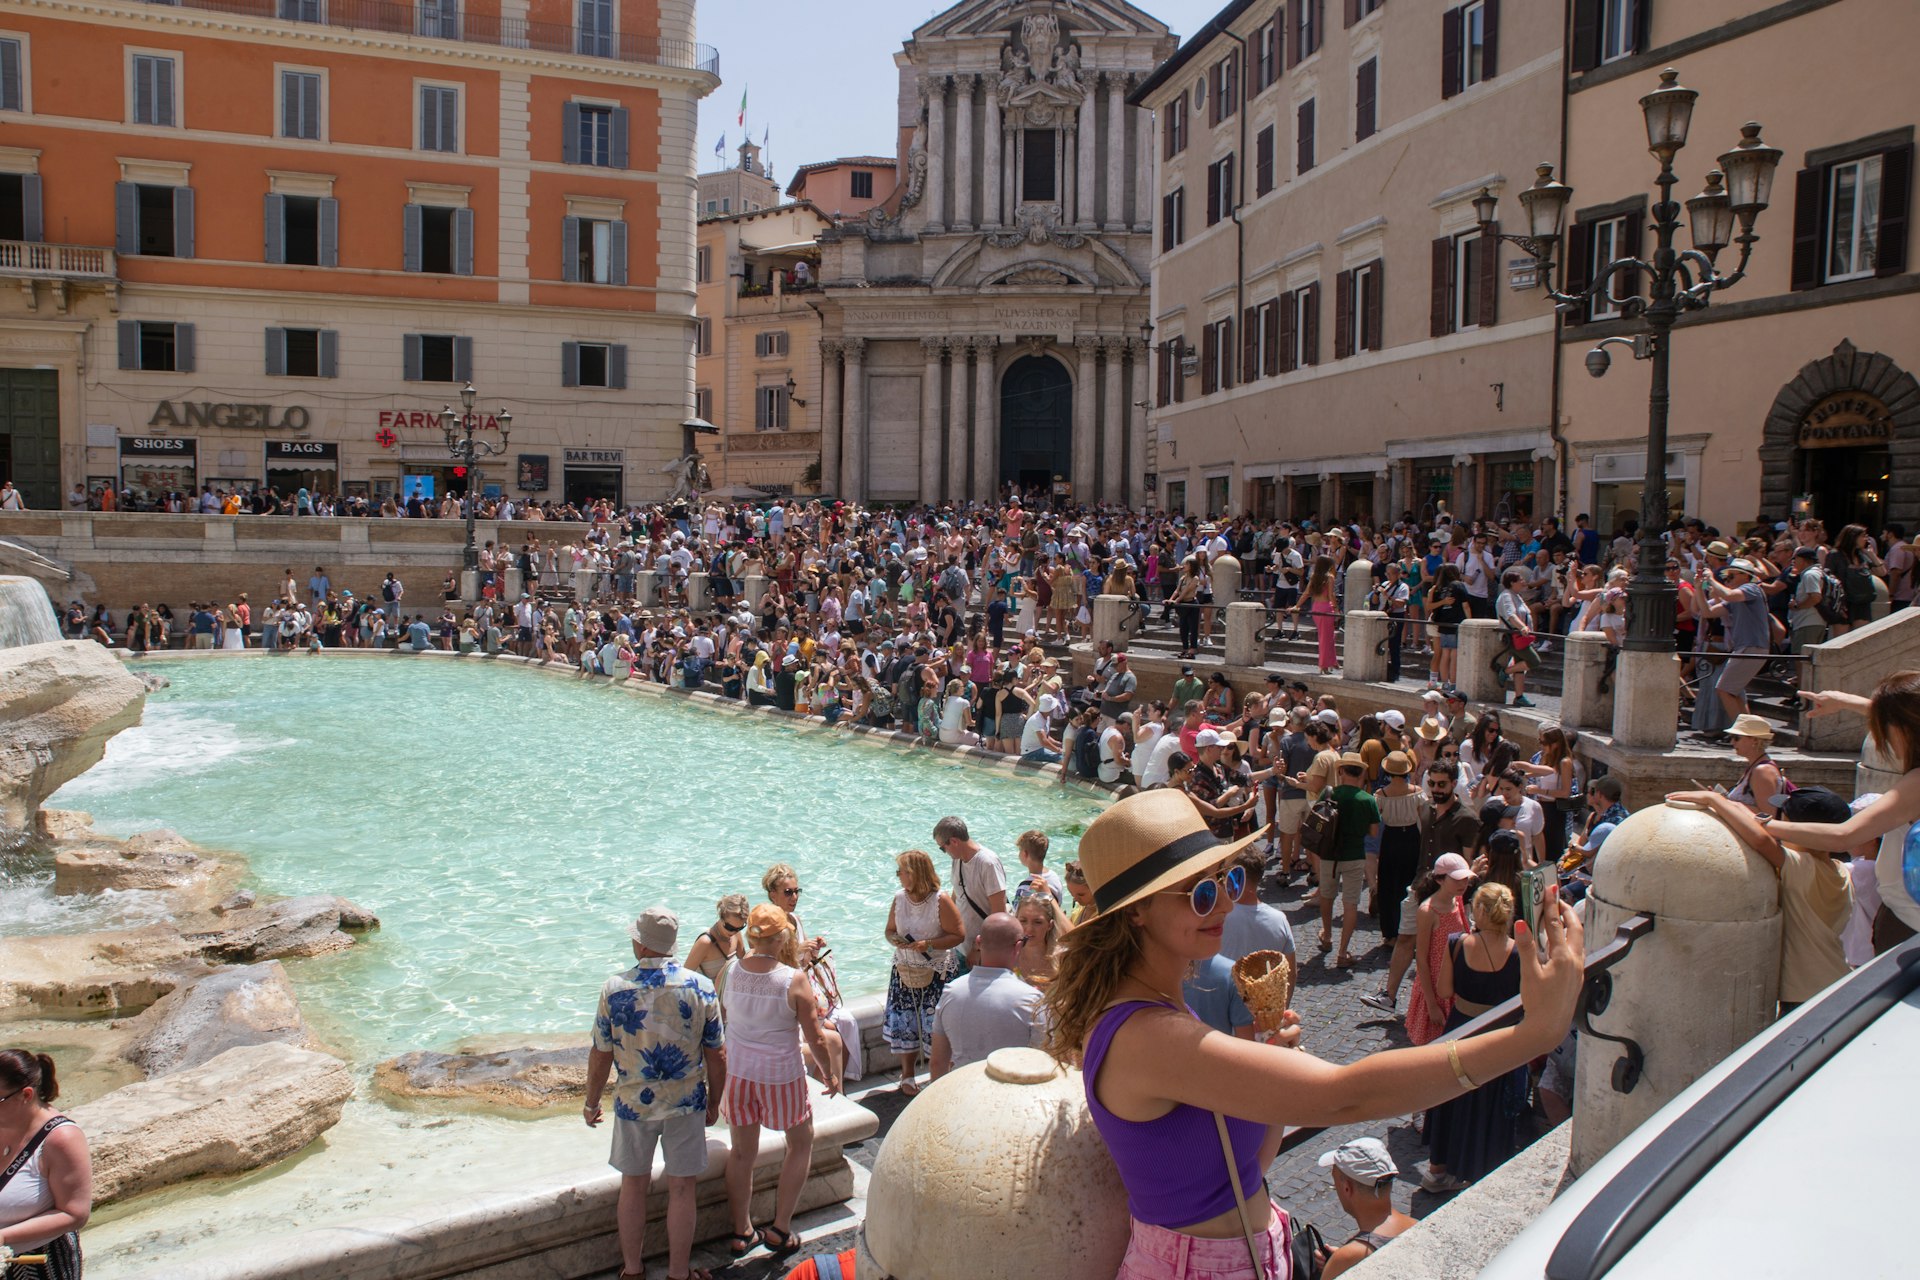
x: 1239, y: 1196
x: 33, y: 1145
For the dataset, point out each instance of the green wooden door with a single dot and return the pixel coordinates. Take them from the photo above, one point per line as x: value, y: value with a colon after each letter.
x: 30, y: 434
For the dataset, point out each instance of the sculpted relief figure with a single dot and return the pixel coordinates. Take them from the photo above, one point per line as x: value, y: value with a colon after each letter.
x: 1016, y: 71
x: 1067, y: 74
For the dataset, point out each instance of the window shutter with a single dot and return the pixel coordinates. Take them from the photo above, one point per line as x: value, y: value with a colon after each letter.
x: 1489, y: 282
x: 1214, y: 95
x: 1374, y: 305
x: 1224, y: 346
x: 1353, y: 11
x: 11, y: 94
x: 1343, y: 315
x: 1166, y: 223
x: 32, y: 224
x: 570, y: 248
x: 1166, y: 131
x: 329, y: 353
x: 1896, y: 193
x: 463, y: 359
x: 1179, y: 374
x: 1213, y: 193
x: 1307, y: 113
x: 183, y: 222
x: 163, y: 91
x: 411, y: 236
x: 429, y: 118
x: 1289, y: 333
x: 1579, y: 270
x: 183, y: 348
x: 143, y: 96
x: 1291, y: 37
x: 570, y: 132
x: 1490, y: 44
x: 1310, y: 323
x: 620, y: 132
x: 617, y: 274
x: 412, y: 358
x: 463, y: 242
x: 1441, y: 323
x: 1229, y: 186
x: 1365, y: 95
x: 1450, y: 37
x: 329, y: 232
x: 1263, y: 161
x: 617, y: 366
x: 276, y: 353
x: 129, y: 344
x: 290, y: 117
x: 569, y: 364
x: 1809, y: 198
x: 275, y: 224
x: 1270, y: 338
x: 310, y: 105
x: 126, y: 218
x: 1209, y: 341
x: 1585, y: 54
x: 1249, y: 344
x: 1164, y: 379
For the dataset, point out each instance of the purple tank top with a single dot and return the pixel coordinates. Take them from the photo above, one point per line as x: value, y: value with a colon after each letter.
x: 1172, y: 1166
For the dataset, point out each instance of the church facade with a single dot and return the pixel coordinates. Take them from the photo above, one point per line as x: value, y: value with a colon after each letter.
x: 984, y: 328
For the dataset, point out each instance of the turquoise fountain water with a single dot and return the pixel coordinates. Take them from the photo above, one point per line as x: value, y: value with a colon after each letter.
x: 507, y: 827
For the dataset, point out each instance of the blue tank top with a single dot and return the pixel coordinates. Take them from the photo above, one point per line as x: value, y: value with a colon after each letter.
x: 1172, y: 1166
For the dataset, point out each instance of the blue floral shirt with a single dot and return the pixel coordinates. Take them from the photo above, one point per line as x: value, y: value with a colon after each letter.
x: 656, y: 1019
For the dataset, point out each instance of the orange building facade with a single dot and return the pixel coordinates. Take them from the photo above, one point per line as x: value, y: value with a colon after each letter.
x: 265, y: 241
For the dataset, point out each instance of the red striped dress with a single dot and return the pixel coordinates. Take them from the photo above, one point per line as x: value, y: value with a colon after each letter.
x: 766, y: 1076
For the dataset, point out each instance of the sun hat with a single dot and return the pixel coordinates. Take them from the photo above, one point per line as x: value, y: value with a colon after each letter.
x: 1365, y: 1160
x: 1749, y: 726
x: 1743, y: 566
x: 657, y: 929
x: 1430, y: 729
x: 1451, y: 866
x: 768, y: 921
x: 1147, y: 842
x: 1719, y: 550
x: 1352, y: 760
x: 1397, y: 762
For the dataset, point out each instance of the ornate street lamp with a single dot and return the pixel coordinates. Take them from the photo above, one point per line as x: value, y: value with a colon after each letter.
x: 1677, y: 281
x: 458, y: 428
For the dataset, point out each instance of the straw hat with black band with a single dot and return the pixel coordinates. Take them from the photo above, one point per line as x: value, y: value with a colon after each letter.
x: 1145, y: 843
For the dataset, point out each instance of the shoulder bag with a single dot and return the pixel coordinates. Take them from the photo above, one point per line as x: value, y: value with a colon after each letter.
x: 1304, y: 1244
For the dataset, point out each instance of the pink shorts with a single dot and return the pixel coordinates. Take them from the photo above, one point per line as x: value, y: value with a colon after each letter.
x: 1155, y: 1253
x: 771, y: 1106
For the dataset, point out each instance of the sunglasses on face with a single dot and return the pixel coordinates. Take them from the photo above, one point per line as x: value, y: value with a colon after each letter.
x: 790, y: 893
x: 1205, y: 896
x: 731, y: 927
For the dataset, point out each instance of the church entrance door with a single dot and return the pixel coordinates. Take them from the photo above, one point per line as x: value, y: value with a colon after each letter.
x: 1036, y: 424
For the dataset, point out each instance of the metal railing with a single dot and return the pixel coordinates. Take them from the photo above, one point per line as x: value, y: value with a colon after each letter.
x: 451, y: 21
x: 74, y: 261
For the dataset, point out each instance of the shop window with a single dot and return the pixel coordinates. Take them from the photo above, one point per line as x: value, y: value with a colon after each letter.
x: 438, y: 240
x: 156, y: 346
x: 436, y: 357
x: 862, y: 185
x: 593, y: 364
x: 303, y: 353
x: 155, y: 221
x: 594, y: 251
x: 594, y: 135
x: 1217, y: 491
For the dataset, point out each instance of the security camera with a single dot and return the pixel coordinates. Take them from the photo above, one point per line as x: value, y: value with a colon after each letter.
x: 1598, y: 362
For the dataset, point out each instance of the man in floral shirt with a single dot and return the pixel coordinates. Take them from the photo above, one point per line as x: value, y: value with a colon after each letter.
x: 657, y: 1030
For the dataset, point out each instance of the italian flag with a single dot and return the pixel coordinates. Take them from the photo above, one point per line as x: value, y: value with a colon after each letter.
x: 743, y: 108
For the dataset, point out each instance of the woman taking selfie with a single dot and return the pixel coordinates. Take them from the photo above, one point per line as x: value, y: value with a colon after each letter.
x: 1167, y: 1093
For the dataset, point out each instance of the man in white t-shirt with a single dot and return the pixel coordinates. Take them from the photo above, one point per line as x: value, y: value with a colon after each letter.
x: 978, y: 882
x: 1155, y: 774
x: 1529, y: 819
x: 1037, y: 746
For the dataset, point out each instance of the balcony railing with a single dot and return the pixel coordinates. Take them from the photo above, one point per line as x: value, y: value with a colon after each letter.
x: 55, y: 261
x: 447, y: 20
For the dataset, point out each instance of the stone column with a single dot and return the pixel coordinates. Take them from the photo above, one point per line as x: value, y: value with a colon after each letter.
x: 1065, y: 149
x: 1089, y: 182
x: 986, y: 421
x: 1113, y: 428
x: 959, y: 433
x: 1010, y: 175
x: 1116, y: 152
x: 830, y: 350
x: 963, y: 153
x: 1083, y: 420
x: 936, y: 153
x: 853, y: 452
x: 1138, y: 425
x: 930, y: 419
x: 993, y: 154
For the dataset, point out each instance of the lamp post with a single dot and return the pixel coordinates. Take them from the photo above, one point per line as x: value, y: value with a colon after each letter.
x: 1677, y: 281
x: 458, y: 429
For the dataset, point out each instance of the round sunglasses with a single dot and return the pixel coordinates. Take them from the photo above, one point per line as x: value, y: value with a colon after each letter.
x: 1205, y: 896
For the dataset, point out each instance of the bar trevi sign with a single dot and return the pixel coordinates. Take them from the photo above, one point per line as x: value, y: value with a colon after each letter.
x: 208, y: 413
x: 1846, y: 418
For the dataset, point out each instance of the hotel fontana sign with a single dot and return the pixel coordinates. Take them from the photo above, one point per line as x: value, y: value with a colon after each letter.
x: 208, y: 413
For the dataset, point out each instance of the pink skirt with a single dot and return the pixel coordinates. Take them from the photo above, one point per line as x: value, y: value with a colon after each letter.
x: 1156, y: 1253
x: 771, y: 1106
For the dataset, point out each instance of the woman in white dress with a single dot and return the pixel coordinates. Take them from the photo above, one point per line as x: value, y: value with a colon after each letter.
x: 923, y: 924
x: 235, y: 636
x: 956, y: 717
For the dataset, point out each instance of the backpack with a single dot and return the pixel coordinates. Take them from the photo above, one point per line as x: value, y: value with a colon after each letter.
x: 1833, y: 607
x: 1320, y: 828
x: 1086, y: 752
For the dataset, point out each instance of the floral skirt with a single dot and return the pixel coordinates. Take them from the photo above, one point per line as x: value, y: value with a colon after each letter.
x: 909, y: 1018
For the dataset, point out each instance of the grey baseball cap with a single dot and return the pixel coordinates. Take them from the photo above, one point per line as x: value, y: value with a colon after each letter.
x: 1365, y: 1160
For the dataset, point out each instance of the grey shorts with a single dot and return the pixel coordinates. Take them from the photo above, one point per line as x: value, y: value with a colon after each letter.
x: 684, y: 1138
x: 1740, y: 670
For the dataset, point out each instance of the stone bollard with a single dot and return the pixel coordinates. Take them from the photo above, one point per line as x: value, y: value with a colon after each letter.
x: 1032, y: 1190
x: 756, y: 590
x: 646, y: 590
x: 1245, y: 646
x: 1362, y: 657
x: 470, y: 585
x: 1583, y: 705
x: 583, y: 586
x: 1111, y: 616
x: 1226, y: 579
x: 1359, y: 592
x: 1479, y: 641
x: 515, y: 584
x: 697, y: 598
x: 1882, y: 600
x: 1646, y: 700
x: 1701, y: 984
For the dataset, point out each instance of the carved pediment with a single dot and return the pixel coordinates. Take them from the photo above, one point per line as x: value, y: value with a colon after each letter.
x: 1035, y: 275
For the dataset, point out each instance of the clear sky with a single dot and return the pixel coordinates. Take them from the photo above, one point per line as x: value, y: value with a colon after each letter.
x: 820, y: 76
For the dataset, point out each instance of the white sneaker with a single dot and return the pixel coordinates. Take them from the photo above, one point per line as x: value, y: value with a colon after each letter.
x: 1440, y: 1184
